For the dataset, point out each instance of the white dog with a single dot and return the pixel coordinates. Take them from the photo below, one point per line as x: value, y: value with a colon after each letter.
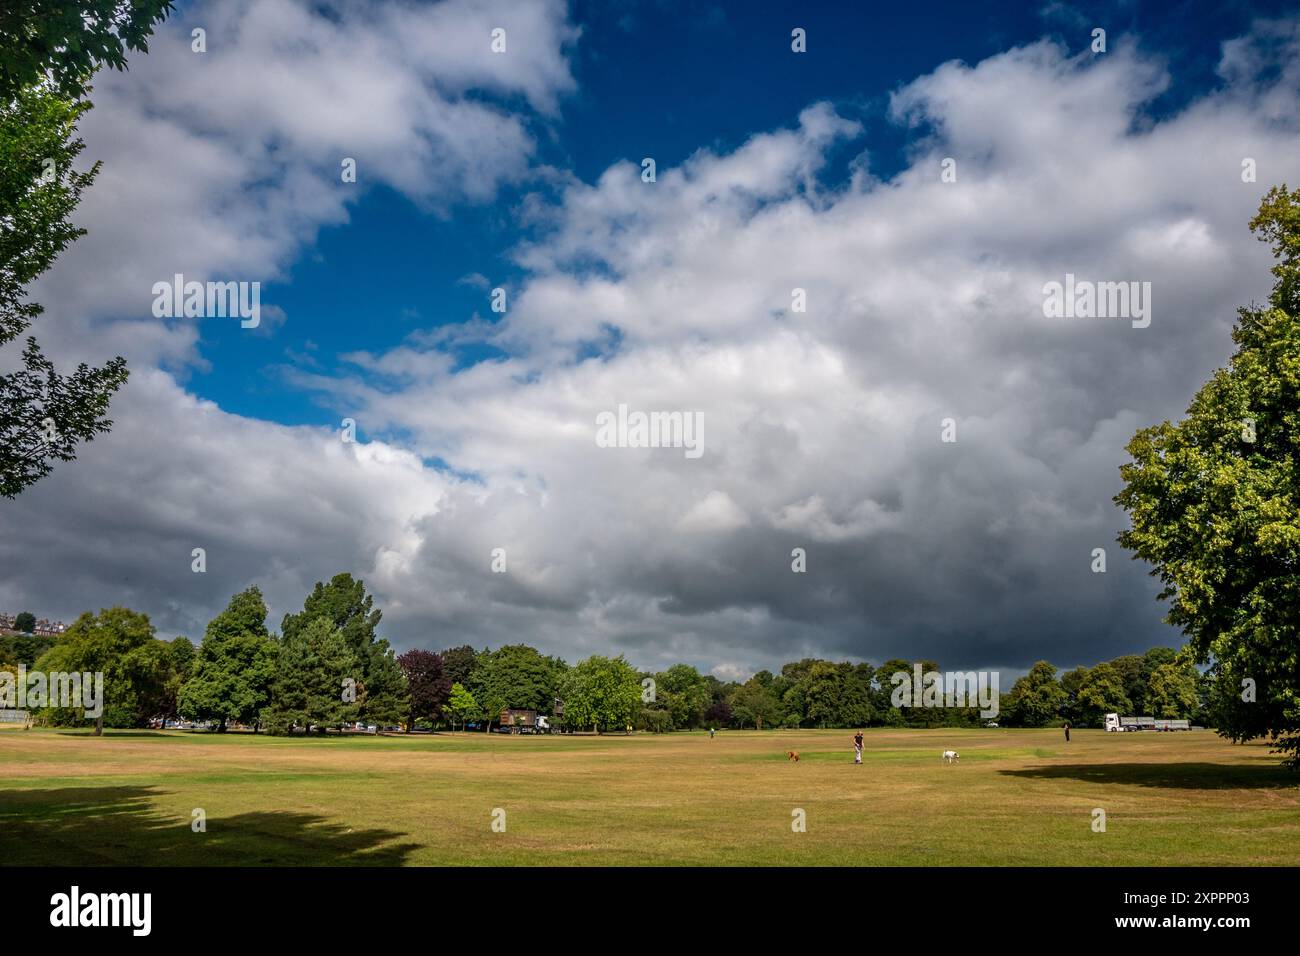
x: 951, y: 756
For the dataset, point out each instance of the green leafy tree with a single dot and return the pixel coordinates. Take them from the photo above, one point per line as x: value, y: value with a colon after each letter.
x: 518, y: 676
x: 231, y: 673
x: 1071, y: 681
x: 1172, y: 691
x: 63, y: 42
x: 1102, y: 692
x: 754, y: 705
x: 120, y: 644
x: 181, y: 655
x: 345, y: 604
x: 382, y: 695
x: 48, y: 51
x: 884, y: 691
x: 381, y: 686
x: 461, y: 706
x: 1214, y: 500
x: 312, y: 670
x: 601, y: 693
x: 458, y: 664
x: 24, y: 648
x: 1035, y: 699
x: 25, y: 621
x: 1133, y: 675
x: 43, y: 414
x: 685, y: 693
x: 1231, y: 707
x: 917, y: 715
x: 493, y: 703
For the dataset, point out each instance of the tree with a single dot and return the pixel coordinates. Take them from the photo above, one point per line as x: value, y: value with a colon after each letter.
x: 754, y: 705
x: 1035, y: 699
x: 427, y: 686
x: 24, y: 648
x: 601, y: 693
x: 493, y: 703
x: 62, y: 43
x: 685, y: 693
x: 43, y: 414
x: 181, y: 655
x: 25, y: 621
x: 230, y: 677
x: 1133, y: 675
x: 381, y: 687
x: 120, y: 644
x: 461, y: 705
x: 884, y: 690
x: 1102, y: 692
x: 1172, y: 692
x: 1214, y: 501
x: 459, y: 664
x: 823, y: 687
x: 1071, y: 681
x: 516, y: 676
x: 1230, y: 703
x: 345, y: 603
x: 311, y: 672
x: 382, y: 694
x: 48, y: 51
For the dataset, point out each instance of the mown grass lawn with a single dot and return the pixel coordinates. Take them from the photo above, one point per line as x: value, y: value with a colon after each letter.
x: 1016, y: 797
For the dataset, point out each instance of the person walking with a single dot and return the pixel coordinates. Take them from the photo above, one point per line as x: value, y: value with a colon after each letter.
x: 1067, y: 731
x: 710, y: 733
x: 857, y: 747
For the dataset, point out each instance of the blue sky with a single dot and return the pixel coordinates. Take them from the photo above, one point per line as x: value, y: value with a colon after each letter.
x: 776, y: 172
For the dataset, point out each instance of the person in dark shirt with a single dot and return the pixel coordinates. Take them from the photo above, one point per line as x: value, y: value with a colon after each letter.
x: 1067, y: 731
x: 857, y: 747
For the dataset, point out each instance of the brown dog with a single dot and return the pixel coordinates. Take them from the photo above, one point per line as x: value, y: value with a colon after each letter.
x: 792, y: 755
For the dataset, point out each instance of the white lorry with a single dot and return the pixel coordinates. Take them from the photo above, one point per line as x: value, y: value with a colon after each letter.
x: 1115, y: 723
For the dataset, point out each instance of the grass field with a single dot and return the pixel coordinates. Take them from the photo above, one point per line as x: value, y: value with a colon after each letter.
x: 1017, y: 797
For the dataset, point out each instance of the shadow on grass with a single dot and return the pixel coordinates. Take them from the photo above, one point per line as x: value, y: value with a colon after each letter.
x: 120, y: 826
x: 1176, y: 776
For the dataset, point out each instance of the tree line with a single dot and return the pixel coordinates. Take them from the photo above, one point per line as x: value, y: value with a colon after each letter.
x: 328, y: 669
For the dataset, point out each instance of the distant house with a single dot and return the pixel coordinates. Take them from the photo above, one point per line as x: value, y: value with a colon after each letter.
x: 44, y: 627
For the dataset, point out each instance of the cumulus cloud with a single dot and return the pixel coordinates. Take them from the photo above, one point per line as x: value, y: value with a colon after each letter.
x: 224, y: 164
x: 823, y: 427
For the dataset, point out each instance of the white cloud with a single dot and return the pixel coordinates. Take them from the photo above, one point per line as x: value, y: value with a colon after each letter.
x: 224, y: 164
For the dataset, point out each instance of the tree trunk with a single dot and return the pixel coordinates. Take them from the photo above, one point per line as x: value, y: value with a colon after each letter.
x: 99, y: 726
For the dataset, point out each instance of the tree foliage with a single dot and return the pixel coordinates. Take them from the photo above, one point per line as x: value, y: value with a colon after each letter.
x: 428, y: 687
x: 44, y: 415
x: 1214, y: 500
x: 120, y: 644
x: 63, y: 42
x: 1036, y: 699
x: 602, y: 693
x: 231, y: 675
x: 311, y: 674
